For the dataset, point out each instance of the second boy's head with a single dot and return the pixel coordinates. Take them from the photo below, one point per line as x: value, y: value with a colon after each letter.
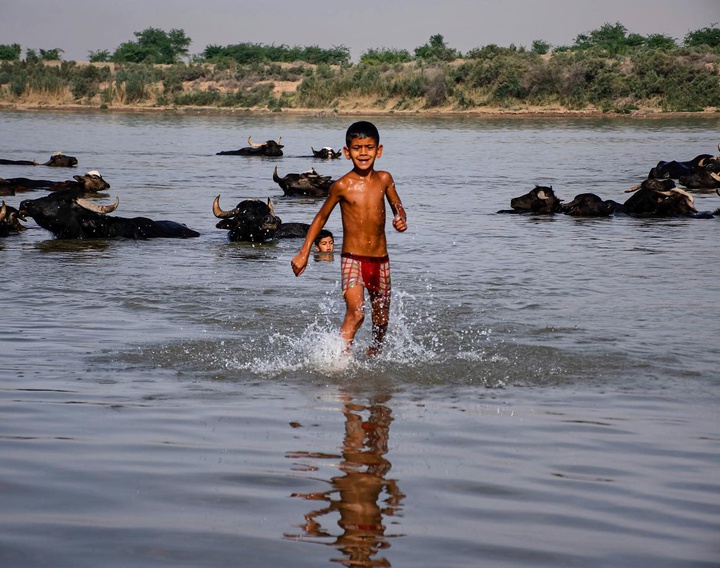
x: 324, y: 242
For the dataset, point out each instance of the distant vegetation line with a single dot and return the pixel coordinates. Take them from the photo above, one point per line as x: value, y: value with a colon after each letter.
x: 607, y: 69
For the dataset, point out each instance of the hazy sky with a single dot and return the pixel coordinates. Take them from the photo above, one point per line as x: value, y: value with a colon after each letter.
x: 81, y: 26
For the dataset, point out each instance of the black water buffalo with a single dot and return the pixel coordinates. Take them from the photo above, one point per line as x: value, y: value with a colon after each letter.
x: 292, y: 231
x: 68, y: 216
x: 589, y: 205
x: 675, y: 169
x: 308, y: 183
x: 268, y: 148
x: 255, y: 221
x: 11, y: 186
x: 10, y: 220
x: 703, y: 179
x: 692, y: 174
x: 326, y: 153
x: 538, y: 200
x: 57, y: 160
x: 251, y: 220
x: 658, y: 198
x: 91, y: 182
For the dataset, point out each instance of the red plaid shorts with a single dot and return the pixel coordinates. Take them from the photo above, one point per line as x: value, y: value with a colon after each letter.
x: 372, y: 272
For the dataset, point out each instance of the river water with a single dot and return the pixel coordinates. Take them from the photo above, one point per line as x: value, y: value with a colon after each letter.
x: 548, y: 395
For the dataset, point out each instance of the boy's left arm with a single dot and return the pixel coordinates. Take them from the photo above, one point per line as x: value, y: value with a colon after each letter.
x: 400, y: 217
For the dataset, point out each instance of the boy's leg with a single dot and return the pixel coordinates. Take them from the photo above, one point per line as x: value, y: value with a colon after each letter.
x: 354, y: 314
x: 380, y: 316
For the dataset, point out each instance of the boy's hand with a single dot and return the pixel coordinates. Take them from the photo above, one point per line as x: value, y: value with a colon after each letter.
x: 399, y: 223
x: 299, y: 263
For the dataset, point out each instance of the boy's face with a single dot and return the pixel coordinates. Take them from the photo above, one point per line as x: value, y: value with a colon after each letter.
x: 326, y: 244
x: 363, y: 152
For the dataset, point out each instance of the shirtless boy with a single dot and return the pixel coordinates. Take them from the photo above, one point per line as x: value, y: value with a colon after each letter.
x: 361, y: 194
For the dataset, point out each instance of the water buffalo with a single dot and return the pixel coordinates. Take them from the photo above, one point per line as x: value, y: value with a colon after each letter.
x: 11, y: 186
x: 255, y: 221
x: 538, y: 200
x: 308, y: 183
x: 68, y: 216
x: 10, y: 220
x: 658, y: 198
x: 589, y: 205
x: 251, y: 220
x: 91, y: 182
x: 675, y: 169
x: 693, y: 174
x: 57, y: 160
x: 326, y: 153
x: 702, y: 179
x: 292, y: 231
x: 268, y: 148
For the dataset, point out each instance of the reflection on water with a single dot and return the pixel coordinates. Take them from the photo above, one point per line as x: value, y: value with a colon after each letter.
x: 363, y: 496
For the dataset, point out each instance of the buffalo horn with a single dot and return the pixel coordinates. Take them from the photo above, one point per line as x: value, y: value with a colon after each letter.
x: 276, y: 177
x: 633, y: 188
x: 675, y: 190
x: 251, y: 143
x: 272, y: 207
x: 715, y: 176
x: 689, y: 197
x: 220, y: 213
x: 90, y: 206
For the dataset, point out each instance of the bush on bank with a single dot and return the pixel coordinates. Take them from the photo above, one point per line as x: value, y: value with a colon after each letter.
x: 675, y: 80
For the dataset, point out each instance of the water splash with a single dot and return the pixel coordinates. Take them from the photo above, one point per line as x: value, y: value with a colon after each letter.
x: 319, y: 348
x: 424, y: 346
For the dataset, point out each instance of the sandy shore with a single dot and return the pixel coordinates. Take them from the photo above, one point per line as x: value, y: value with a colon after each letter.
x: 484, y: 112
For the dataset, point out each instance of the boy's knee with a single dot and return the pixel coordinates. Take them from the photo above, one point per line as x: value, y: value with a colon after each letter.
x: 357, y: 316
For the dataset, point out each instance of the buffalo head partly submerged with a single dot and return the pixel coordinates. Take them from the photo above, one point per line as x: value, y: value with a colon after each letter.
x: 309, y: 183
x: 267, y: 148
x: 250, y: 220
x: 10, y: 220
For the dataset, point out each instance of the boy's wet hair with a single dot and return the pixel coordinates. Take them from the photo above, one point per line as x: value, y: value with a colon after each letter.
x: 323, y: 234
x: 362, y: 129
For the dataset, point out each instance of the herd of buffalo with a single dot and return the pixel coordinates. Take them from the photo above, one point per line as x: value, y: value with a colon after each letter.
x: 657, y: 195
x: 66, y: 212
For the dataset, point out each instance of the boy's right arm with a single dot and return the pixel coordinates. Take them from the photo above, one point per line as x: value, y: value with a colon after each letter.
x: 299, y: 262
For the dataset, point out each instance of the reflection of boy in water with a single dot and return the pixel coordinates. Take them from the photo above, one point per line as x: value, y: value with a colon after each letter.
x: 359, y: 489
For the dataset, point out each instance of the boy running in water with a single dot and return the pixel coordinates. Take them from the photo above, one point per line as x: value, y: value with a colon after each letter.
x: 365, y: 264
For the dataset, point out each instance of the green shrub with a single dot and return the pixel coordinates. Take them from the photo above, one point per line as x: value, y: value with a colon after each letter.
x: 10, y: 52
x: 384, y: 55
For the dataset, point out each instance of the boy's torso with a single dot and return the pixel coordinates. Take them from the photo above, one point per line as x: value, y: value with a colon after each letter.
x: 362, y: 204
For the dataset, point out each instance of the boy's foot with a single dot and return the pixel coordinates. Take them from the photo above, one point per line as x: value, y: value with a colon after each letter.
x: 373, y: 351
